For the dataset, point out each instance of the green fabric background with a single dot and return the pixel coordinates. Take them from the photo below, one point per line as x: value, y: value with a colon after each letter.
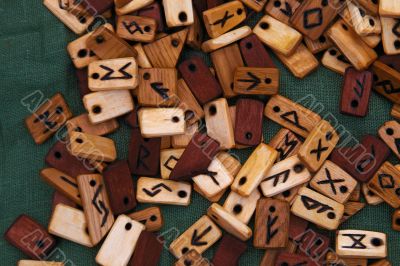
x: 33, y: 57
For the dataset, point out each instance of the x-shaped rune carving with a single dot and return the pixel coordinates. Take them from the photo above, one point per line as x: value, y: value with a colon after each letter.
x: 223, y: 20
x: 319, y: 150
x: 330, y: 181
x: 357, y: 238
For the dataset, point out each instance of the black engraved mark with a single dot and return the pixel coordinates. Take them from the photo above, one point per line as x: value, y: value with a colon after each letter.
x: 319, y: 150
x: 277, y: 177
x: 212, y: 176
x: 270, y: 232
x: 295, y: 119
x: 143, y: 154
x: 310, y: 22
x: 110, y: 72
x: 156, y: 189
x: 68, y: 181
x: 99, y: 205
x: 288, y: 143
x: 359, y: 89
x: 45, y: 118
x: 396, y: 29
x: 288, y: 11
x: 157, y: 87
x: 196, y: 239
x: 223, y: 20
x: 357, y: 238
x: 330, y: 181
x: 312, y: 204
x: 387, y: 86
x: 254, y: 80
x: 129, y: 26
x: 386, y: 181
x: 143, y: 221
x: 170, y: 159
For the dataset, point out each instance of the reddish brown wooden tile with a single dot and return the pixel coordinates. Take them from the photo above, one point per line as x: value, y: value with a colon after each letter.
x: 200, y: 80
x: 147, y: 251
x: 83, y: 83
x: 58, y: 197
x: 312, y: 244
x: 297, y: 226
x: 97, y: 7
x: 153, y: 11
x: 392, y: 61
x: 254, y: 52
x: 248, y: 123
x: 229, y: 251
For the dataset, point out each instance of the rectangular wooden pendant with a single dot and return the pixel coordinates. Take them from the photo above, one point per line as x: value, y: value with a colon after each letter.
x: 123, y: 7
x: 277, y: 35
x: 389, y: 132
x: 178, y: 12
x: 386, y: 184
x: 334, y: 60
x: 119, y: 185
x: 313, y: 17
x: 216, y: 180
x: 147, y: 251
x: 363, y: 23
x: 135, y: 28
x: 92, y: 147
x: 144, y: 154
x: 107, y: 45
x: 283, y: 176
x: 62, y: 182
x: 271, y: 229
x: 351, y: 45
x: 159, y: 122
x: 150, y: 217
x: 199, y: 236
x: 70, y: 223
x: 96, y: 206
x: 30, y: 237
x: 61, y: 159
x: 389, y: 8
x: 318, y: 209
x: 105, y: 105
x: 248, y: 125
x: 356, y: 92
x: 120, y: 243
x: 318, y: 145
x: 254, y: 169
x: 188, y: 102
x: 223, y: 18
x: 229, y: 251
x: 196, y: 158
x: 259, y: 81
x: 386, y: 81
x: 226, y: 39
x: 226, y: 60
x: 229, y: 222
x: 286, y: 143
x: 161, y: 191
x: 361, y: 244
x: 333, y: 182
x: 47, y: 118
x: 301, y: 63
x: 157, y: 87
x: 219, y: 123
x: 282, y: 10
x: 113, y: 74
x: 242, y: 207
x: 254, y: 53
x: 82, y: 123
x: 291, y: 115
x: 200, y: 80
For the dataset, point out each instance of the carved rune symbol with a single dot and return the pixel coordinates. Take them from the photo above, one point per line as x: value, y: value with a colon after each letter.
x: 254, y: 80
x: 291, y: 144
x: 223, y: 20
x: 357, y: 238
x: 170, y: 159
x: 277, y: 177
x: 66, y: 180
x: 312, y: 18
x: 196, y: 239
x: 45, y: 118
x: 212, y: 176
x: 156, y: 189
x: 359, y: 89
x: 293, y: 118
x: 270, y: 232
x: 387, y: 86
x: 396, y: 29
x: 312, y: 204
x: 386, y: 181
x: 330, y: 181
x: 143, y: 154
x: 99, y: 205
x: 110, y: 72
x: 157, y: 87
x: 132, y: 24
x: 288, y: 10
x: 319, y: 150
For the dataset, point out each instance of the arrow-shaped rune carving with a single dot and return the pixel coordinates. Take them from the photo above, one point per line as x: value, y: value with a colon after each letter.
x: 223, y: 20
x: 312, y: 204
x: 277, y: 177
x: 359, y: 88
x: 110, y: 72
x: 196, y: 239
x: 158, y: 87
x: 270, y: 232
x: 156, y: 189
x: 288, y: 10
x: 254, y: 80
